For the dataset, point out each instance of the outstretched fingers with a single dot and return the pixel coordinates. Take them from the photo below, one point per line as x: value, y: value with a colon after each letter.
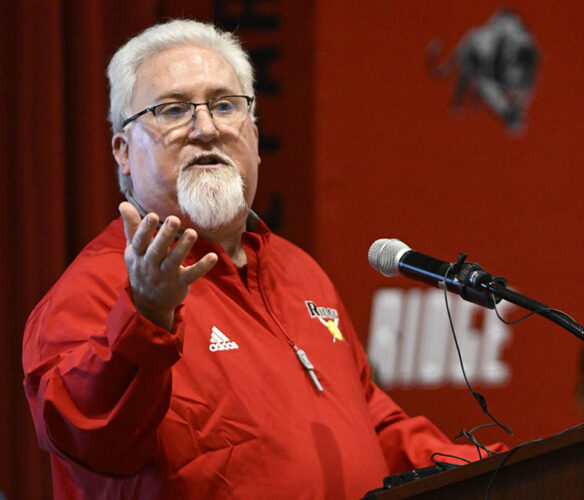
x: 168, y: 257
x: 131, y: 219
x: 158, y: 248
x: 142, y: 239
x: 138, y: 231
x: 158, y: 279
x: 190, y: 274
x: 177, y: 255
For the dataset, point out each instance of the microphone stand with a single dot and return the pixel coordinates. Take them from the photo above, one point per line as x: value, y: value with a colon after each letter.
x: 500, y: 290
x: 494, y: 288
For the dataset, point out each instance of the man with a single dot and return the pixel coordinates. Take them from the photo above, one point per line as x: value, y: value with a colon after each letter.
x: 188, y: 352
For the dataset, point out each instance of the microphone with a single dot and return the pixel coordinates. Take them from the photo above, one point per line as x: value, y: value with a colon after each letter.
x: 469, y: 280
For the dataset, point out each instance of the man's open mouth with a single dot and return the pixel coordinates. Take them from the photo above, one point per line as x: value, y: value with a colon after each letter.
x: 206, y: 159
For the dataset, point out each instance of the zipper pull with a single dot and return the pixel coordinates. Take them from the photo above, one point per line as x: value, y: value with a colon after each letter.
x: 308, y: 367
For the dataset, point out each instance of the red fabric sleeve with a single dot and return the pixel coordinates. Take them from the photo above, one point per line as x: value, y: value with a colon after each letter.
x: 407, y: 442
x: 97, y: 373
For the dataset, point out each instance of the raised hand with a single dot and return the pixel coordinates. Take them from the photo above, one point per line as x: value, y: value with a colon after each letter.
x: 158, y: 280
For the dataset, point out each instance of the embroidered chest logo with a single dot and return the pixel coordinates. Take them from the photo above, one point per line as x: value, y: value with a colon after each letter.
x: 327, y: 316
x: 220, y: 342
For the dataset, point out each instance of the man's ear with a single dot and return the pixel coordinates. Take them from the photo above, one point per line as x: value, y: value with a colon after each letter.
x: 257, y: 137
x: 120, y: 151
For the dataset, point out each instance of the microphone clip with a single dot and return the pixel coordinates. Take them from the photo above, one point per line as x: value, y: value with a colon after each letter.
x: 457, y: 266
x: 474, y: 281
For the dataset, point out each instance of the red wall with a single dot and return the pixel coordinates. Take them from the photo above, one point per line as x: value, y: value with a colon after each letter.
x: 392, y: 160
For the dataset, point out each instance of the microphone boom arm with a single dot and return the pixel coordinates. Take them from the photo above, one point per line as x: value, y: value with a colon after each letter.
x: 474, y: 284
x: 473, y: 277
x: 550, y: 313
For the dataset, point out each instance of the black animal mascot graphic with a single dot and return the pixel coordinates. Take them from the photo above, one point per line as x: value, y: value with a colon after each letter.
x: 496, y: 63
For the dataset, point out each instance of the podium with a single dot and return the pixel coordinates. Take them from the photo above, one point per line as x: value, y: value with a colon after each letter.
x: 551, y: 468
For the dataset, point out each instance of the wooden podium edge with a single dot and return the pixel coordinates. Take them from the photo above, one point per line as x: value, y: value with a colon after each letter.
x: 525, y: 451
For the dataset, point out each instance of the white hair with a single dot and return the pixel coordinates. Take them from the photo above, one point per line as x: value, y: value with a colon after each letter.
x: 124, y: 64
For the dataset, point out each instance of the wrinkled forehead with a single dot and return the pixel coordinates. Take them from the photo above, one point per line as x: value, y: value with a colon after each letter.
x: 189, y: 71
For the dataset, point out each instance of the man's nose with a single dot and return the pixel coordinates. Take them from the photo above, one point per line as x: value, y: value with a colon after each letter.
x: 203, y: 126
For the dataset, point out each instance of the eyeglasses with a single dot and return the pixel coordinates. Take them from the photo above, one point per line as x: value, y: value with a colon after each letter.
x: 227, y: 110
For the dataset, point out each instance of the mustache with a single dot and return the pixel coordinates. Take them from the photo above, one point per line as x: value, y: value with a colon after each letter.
x: 203, y: 158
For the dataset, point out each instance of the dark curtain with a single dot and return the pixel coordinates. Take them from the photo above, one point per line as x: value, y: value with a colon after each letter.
x: 59, y: 186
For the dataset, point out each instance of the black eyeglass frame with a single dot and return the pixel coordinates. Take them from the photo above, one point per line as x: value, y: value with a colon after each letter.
x: 153, y: 108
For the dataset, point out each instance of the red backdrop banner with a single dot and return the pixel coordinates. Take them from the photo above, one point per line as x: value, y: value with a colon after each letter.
x: 393, y: 160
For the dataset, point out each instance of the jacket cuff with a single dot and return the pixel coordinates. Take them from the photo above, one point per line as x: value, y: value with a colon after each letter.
x: 137, y: 339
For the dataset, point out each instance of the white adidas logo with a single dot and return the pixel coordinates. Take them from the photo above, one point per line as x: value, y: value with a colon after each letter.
x: 220, y: 342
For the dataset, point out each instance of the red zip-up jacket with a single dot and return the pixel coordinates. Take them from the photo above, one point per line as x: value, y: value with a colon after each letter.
x: 221, y: 407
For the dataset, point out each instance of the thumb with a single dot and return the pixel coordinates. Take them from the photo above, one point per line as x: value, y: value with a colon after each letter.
x: 131, y: 219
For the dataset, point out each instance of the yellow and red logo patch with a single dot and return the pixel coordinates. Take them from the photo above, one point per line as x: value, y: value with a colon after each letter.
x: 328, y: 316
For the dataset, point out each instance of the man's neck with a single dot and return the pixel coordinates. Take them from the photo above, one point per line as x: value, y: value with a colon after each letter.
x: 230, y: 239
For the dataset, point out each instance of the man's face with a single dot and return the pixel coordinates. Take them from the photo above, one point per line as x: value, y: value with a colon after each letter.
x: 153, y: 157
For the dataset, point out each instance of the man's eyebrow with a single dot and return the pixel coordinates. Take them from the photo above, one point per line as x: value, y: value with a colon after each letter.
x: 218, y: 92
x: 184, y: 96
x: 175, y: 96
